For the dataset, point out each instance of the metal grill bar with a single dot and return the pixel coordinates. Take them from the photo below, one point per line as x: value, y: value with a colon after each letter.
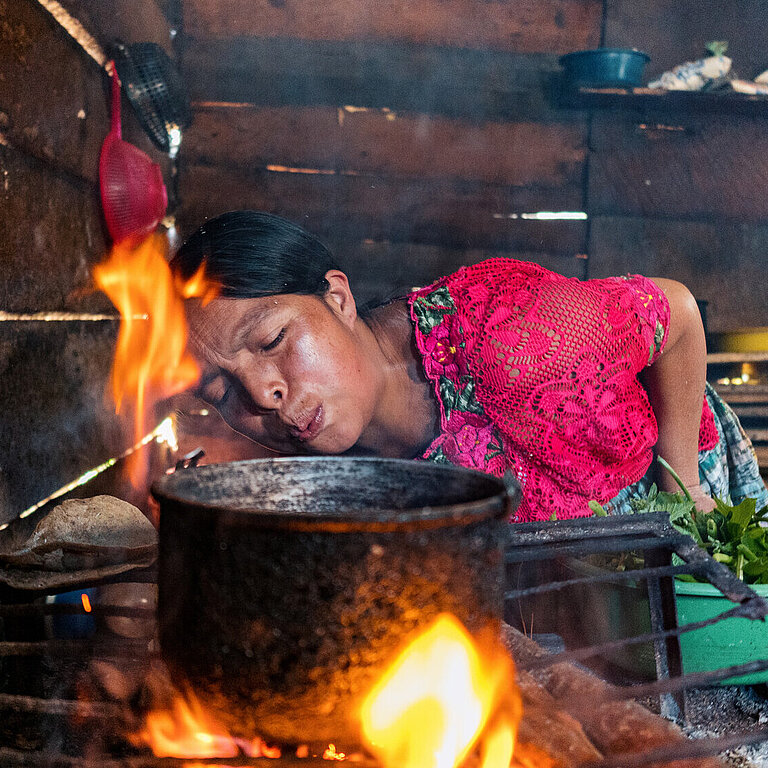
x: 688, y: 750
x: 622, y: 533
x: 608, y: 577
x: 654, y: 536
x: 580, y: 654
x: 59, y: 707
x: 22, y: 759
x: 77, y: 649
x: 666, y: 648
x: 651, y: 534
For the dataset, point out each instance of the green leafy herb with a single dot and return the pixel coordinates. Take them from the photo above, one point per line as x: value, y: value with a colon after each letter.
x: 735, y: 535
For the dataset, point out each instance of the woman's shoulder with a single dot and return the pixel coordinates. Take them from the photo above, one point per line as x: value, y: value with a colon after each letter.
x: 500, y: 270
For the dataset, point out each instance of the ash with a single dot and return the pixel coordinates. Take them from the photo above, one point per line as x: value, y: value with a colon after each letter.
x: 724, y: 710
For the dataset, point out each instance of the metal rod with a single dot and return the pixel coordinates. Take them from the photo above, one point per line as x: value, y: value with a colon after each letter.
x: 666, y: 649
x: 77, y: 648
x: 549, y: 550
x: 160, y: 432
x: 579, y: 654
x: 22, y: 759
x: 59, y: 707
x: 685, y: 682
x: 721, y: 576
x: 611, y: 577
x: 685, y: 750
x: 587, y: 529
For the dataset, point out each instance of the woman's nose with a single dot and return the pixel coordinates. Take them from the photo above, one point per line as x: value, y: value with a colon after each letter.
x: 268, y: 394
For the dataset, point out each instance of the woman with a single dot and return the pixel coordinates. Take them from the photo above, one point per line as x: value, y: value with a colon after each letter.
x: 570, y: 384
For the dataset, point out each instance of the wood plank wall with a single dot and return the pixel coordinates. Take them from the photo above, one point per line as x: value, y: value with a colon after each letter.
x: 53, y: 119
x: 683, y: 195
x: 409, y: 136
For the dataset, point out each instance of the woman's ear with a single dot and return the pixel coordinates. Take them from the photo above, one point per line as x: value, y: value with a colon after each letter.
x: 339, y: 296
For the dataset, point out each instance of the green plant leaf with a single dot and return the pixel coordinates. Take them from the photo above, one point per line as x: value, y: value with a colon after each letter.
x: 716, y: 47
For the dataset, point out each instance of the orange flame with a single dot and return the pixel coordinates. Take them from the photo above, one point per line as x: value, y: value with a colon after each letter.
x: 446, y: 698
x: 187, y: 731
x: 440, y: 699
x: 151, y: 361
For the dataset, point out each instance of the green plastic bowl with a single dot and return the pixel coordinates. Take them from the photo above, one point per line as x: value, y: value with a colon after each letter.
x: 731, y: 641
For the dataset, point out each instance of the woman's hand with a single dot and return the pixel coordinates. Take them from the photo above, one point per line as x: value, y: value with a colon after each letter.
x: 675, y: 384
x: 704, y: 502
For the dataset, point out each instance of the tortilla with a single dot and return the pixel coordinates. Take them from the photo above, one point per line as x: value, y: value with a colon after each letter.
x: 84, y: 534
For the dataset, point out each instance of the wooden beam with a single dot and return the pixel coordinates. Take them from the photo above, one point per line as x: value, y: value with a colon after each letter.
x: 382, y: 270
x: 381, y: 142
x: 510, y: 25
x: 52, y: 232
x: 457, y: 214
x: 427, y: 80
x: 687, y: 167
x: 722, y: 263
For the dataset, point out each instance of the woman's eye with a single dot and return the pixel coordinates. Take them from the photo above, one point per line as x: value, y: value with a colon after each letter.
x: 272, y: 344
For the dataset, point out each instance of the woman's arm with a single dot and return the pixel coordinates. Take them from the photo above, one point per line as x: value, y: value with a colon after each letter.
x: 675, y: 384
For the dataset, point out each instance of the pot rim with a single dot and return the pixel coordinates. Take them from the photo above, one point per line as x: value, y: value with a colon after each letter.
x: 499, y: 504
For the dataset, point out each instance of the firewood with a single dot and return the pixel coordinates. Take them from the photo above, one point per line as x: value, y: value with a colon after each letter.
x: 615, y: 727
x: 547, y: 727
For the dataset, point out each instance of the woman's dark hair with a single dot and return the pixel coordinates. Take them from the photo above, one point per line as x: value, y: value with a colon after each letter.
x: 252, y: 254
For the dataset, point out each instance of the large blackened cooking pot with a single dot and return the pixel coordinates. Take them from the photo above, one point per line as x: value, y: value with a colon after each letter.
x: 286, y: 585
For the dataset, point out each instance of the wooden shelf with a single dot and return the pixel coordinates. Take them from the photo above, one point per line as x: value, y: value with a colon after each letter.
x: 715, y: 358
x: 659, y: 100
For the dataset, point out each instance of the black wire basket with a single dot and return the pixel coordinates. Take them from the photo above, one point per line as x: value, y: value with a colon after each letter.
x: 154, y: 89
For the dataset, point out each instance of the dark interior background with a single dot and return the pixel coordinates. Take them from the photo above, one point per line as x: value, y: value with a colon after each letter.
x: 411, y: 137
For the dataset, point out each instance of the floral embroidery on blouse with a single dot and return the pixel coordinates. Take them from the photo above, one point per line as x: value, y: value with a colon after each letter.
x: 469, y: 439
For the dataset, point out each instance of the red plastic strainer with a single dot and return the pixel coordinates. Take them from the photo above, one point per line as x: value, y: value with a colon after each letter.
x: 133, y: 194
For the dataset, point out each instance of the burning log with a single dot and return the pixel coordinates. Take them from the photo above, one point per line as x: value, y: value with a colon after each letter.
x: 616, y: 728
x: 547, y: 727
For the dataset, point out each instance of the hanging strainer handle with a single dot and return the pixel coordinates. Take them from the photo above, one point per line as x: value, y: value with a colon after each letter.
x: 115, y: 120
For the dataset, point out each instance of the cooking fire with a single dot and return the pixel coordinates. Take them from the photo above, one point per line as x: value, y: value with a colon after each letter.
x: 443, y: 698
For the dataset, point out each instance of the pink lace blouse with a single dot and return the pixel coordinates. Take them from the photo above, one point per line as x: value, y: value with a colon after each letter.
x: 538, y: 374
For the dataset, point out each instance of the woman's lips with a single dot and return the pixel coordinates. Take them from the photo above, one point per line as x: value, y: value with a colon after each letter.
x: 312, y: 427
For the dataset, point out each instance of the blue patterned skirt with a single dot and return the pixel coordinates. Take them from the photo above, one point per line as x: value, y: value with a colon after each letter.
x: 728, y: 471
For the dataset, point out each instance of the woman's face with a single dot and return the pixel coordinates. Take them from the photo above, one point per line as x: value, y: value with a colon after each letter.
x: 289, y: 371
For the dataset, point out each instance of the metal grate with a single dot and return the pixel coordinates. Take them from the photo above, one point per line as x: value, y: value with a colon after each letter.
x: 22, y: 660
x: 652, y: 536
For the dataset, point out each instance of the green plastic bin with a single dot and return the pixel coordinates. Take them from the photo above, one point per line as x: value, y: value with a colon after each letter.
x: 730, y: 641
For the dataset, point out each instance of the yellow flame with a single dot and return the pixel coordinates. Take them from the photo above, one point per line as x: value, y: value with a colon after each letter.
x: 151, y: 361
x: 166, y: 433
x: 433, y: 704
x: 187, y: 731
x: 331, y: 753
